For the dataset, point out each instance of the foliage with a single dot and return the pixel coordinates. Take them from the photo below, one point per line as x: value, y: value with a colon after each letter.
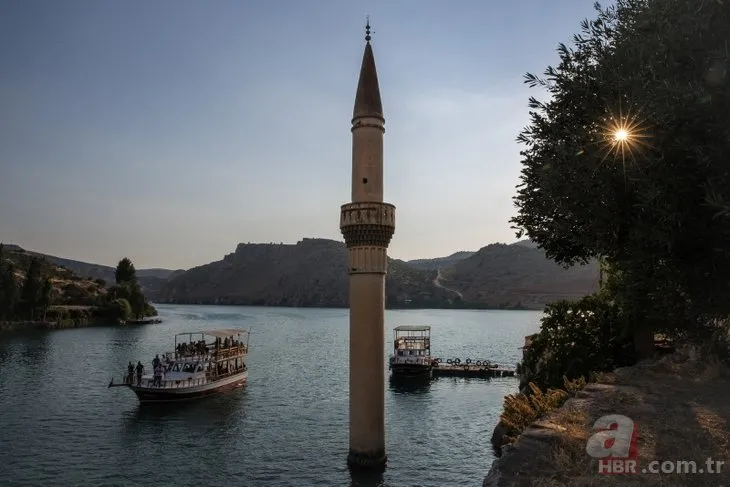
x: 718, y: 344
x: 45, y: 297
x: 575, y: 339
x: 30, y: 293
x: 125, y: 271
x: 150, y: 310
x: 118, y: 310
x: 9, y: 290
x: 51, y: 291
x: 656, y: 208
x: 521, y: 410
x: 129, y: 289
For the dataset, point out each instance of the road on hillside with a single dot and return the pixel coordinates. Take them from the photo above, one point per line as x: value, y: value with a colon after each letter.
x: 437, y: 283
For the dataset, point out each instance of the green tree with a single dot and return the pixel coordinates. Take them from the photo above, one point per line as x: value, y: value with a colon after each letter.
x: 137, y: 301
x: 119, y: 291
x: 627, y: 161
x: 125, y: 271
x: 118, y: 310
x: 45, y: 298
x: 30, y: 294
x: 9, y: 292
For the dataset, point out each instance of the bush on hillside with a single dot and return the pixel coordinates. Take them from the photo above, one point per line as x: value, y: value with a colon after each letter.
x: 150, y: 310
x: 575, y: 339
x: 521, y: 410
x: 117, y: 310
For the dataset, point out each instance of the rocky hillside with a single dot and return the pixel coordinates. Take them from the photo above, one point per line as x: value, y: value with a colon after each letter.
x: 440, y: 262
x: 151, y: 280
x: 69, y: 288
x: 520, y: 275
x: 313, y: 273
x: 310, y: 273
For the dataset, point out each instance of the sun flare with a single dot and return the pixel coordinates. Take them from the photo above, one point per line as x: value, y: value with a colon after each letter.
x: 624, y: 136
x: 621, y: 135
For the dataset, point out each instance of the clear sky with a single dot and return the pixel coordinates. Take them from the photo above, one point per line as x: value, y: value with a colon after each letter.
x: 170, y: 131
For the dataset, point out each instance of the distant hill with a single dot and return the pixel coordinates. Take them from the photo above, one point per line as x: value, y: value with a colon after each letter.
x: 526, y: 243
x: 151, y: 280
x: 312, y: 272
x: 440, y: 262
x: 520, y: 274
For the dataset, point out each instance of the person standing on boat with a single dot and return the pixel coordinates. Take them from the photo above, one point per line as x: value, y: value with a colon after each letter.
x: 140, y: 369
x: 158, y: 375
x: 130, y: 373
x: 155, y: 362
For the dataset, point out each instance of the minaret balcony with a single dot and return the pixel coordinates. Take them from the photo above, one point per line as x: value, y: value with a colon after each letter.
x: 367, y: 224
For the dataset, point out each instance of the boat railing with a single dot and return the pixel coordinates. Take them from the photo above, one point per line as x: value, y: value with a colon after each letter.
x: 162, y: 383
x: 232, y: 351
x: 172, y: 384
x: 211, y: 353
x: 411, y: 360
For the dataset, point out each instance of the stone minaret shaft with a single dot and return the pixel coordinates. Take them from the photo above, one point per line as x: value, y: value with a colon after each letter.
x: 367, y: 225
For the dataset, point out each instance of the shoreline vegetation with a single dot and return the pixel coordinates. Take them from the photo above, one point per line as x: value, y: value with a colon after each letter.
x: 37, y: 294
x: 634, y: 85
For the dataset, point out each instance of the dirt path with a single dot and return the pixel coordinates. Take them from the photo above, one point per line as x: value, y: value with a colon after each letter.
x: 437, y: 283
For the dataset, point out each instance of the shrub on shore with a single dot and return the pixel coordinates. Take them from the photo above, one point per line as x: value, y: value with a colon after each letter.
x: 521, y: 410
x: 576, y: 339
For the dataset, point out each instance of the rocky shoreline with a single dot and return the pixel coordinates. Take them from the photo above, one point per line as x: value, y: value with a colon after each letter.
x: 19, y: 326
x: 530, y: 459
x: 670, y: 400
x: 15, y: 326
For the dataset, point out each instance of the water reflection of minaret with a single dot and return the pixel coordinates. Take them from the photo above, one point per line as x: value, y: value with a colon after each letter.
x: 367, y: 225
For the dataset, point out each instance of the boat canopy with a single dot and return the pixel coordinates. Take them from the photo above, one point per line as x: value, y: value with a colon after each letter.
x: 412, y: 328
x: 222, y: 333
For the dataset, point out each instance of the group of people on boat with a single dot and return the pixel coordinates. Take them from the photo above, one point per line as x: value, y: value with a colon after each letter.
x: 202, y: 348
x: 129, y: 379
x: 191, y: 349
x: 157, y: 366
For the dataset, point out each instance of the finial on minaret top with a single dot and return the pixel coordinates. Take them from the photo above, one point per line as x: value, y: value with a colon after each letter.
x: 367, y: 99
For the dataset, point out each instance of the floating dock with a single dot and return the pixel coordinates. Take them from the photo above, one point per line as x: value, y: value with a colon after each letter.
x: 468, y: 368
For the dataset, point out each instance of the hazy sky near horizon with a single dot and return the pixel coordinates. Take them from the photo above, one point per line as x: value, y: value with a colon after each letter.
x: 170, y: 131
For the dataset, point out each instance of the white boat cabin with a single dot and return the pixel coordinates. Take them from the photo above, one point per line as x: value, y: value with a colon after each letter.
x: 412, y: 345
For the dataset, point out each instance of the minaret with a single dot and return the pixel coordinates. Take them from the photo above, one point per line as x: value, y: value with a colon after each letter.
x: 367, y: 225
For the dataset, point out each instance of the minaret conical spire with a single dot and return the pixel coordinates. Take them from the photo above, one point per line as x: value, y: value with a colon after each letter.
x: 367, y: 99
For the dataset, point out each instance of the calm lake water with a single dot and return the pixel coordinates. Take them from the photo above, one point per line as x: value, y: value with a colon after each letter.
x: 61, y: 426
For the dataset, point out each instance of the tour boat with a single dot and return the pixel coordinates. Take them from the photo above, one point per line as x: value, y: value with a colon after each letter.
x: 411, y: 352
x: 203, y: 363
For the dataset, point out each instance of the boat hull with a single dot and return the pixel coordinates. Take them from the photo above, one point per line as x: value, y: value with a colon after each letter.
x: 177, y: 394
x: 411, y: 371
